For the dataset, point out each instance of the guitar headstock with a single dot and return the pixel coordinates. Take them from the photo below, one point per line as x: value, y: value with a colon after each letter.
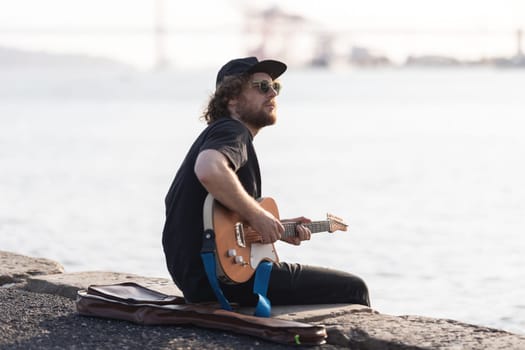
x: 336, y: 223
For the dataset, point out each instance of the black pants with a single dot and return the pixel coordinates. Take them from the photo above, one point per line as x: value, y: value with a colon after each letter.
x: 302, y: 284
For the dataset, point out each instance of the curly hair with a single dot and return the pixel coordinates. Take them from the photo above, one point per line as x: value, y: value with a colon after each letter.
x: 231, y: 87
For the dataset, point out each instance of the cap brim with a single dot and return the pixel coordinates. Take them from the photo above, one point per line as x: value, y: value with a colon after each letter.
x: 273, y: 68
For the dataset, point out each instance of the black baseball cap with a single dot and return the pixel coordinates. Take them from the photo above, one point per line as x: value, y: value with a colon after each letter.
x: 250, y: 65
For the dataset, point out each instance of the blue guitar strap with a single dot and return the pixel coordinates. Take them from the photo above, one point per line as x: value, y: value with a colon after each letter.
x: 260, y: 284
x: 260, y: 288
x: 208, y: 259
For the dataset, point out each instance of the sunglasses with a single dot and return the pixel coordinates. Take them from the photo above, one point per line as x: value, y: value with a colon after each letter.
x: 265, y: 85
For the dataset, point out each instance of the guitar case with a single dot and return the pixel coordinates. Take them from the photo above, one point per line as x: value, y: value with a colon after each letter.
x: 132, y: 302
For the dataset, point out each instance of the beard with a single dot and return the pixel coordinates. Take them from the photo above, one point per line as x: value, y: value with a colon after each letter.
x: 255, y: 116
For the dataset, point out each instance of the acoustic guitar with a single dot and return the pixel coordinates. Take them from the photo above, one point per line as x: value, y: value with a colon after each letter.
x: 238, y: 247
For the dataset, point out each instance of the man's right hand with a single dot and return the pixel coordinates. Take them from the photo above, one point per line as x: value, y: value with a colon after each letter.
x: 267, y: 225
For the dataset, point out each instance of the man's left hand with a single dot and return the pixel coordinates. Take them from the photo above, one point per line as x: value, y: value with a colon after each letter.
x: 303, y: 233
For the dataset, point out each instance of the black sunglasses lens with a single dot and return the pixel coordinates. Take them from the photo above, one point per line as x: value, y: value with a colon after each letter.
x: 264, y: 86
x: 276, y: 86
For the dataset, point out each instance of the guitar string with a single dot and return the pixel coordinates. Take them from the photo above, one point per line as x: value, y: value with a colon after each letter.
x: 316, y: 226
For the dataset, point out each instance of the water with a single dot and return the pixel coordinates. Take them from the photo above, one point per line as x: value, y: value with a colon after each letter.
x: 426, y: 166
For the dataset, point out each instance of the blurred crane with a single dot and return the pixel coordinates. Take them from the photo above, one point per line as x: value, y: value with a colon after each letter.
x: 270, y: 32
x: 519, y: 50
x: 161, y: 61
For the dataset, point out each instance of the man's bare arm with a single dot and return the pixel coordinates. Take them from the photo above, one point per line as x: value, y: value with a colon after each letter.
x: 214, y: 173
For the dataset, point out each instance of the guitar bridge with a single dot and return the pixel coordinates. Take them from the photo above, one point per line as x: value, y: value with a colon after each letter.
x: 239, y: 235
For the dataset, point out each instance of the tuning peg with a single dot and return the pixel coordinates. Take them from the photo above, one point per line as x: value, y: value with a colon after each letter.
x: 232, y: 252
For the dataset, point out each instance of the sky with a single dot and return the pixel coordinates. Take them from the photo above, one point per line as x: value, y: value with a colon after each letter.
x: 201, y: 33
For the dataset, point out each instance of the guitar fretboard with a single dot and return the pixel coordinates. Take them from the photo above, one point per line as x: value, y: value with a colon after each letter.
x: 314, y: 226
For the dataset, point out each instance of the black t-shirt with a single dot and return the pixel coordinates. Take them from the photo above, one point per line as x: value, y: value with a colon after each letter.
x: 182, y: 235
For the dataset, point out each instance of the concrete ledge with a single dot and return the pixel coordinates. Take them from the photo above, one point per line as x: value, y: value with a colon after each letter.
x: 16, y: 268
x: 67, y: 284
x: 311, y: 313
x: 348, y: 326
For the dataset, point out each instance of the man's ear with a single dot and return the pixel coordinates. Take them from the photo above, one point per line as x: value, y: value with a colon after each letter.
x: 232, y: 105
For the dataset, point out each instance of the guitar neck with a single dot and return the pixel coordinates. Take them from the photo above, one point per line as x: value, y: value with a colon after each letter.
x: 314, y: 226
